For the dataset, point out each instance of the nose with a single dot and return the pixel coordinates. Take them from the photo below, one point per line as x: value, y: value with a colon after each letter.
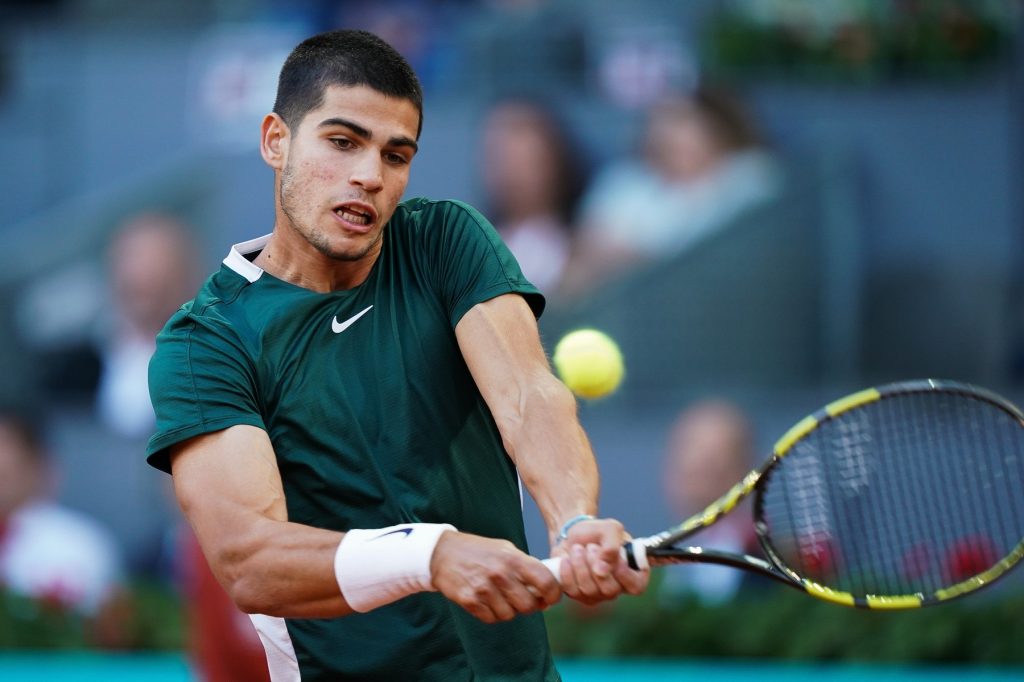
x: 367, y: 172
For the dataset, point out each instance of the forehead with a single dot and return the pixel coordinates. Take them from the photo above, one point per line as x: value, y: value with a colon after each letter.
x: 371, y: 109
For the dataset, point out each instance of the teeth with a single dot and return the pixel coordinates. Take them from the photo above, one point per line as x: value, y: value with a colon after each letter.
x: 354, y: 216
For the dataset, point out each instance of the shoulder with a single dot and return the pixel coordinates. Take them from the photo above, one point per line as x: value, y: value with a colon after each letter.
x: 430, y: 231
x: 440, y: 224
x: 209, y: 340
x: 216, y: 309
x: 426, y: 215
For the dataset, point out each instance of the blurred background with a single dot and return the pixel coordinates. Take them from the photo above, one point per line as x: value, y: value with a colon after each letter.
x: 768, y: 203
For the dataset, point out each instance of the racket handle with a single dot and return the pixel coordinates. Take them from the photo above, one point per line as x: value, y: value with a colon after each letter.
x: 554, y: 565
x: 632, y: 552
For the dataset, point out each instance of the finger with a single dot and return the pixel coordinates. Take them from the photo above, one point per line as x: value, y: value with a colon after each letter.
x: 479, y: 610
x: 609, y: 534
x: 612, y: 542
x: 494, y: 594
x: 482, y: 590
x: 541, y: 583
x: 516, y: 594
x: 502, y: 609
x: 632, y: 581
x: 585, y: 585
x: 599, y: 566
x: 606, y: 582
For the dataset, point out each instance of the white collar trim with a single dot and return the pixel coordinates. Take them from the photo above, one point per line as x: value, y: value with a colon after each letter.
x: 237, y: 261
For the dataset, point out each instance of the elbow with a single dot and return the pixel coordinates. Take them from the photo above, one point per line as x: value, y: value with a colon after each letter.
x: 555, y: 395
x: 251, y: 596
x: 248, y: 599
x: 244, y: 586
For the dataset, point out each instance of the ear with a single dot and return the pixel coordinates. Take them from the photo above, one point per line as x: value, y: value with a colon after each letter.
x: 274, y: 139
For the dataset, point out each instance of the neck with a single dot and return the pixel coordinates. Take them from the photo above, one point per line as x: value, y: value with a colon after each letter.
x: 291, y: 258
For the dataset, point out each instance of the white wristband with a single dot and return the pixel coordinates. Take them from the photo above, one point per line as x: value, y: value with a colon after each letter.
x: 377, y: 567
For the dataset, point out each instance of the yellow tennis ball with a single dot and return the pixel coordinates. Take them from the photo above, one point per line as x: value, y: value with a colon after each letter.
x: 589, y: 363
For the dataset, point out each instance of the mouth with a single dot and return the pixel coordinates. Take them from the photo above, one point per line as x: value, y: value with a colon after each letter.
x: 356, y: 214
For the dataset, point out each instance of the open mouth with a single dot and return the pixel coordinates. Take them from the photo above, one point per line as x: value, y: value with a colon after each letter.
x: 354, y: 215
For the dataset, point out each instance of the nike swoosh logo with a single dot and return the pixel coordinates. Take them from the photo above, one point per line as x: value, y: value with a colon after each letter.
x: 339, y: 327
x: 404, y: 531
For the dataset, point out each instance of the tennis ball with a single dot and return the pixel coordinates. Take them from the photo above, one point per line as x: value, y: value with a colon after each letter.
x: 589, y: 363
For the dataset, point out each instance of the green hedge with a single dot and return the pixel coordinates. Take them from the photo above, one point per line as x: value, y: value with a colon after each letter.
x: 144, y: 617
x: 779, y: 623
x: 775, y: 623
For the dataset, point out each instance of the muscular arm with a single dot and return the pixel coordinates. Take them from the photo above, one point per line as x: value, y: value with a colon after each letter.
x: 229, y: 488
x: 536, y: 416
x: 534, y: 411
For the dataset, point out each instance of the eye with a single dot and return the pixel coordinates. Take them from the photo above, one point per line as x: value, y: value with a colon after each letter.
x: 395, y: 158
x: 342, y: 142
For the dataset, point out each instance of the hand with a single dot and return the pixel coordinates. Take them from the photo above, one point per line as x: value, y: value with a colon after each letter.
x: 489, y: 578
x: 593, y: 569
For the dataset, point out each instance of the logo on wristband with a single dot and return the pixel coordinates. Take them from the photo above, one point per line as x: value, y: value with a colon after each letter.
x: 404, y: 531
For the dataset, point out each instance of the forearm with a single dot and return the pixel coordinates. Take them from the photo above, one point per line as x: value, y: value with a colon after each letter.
x: 536, y: 416
x: 230, y: 490
x: 281, y: 569
x: 544, y: 438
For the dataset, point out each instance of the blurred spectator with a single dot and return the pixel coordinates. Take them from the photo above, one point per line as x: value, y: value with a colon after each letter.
x: 533, y: 180
x: 421, y: 30
x: 709, y: 449
x: 151, y: 269
x: 48, y: 552
x: 702, y: 164
x: 153, y: 272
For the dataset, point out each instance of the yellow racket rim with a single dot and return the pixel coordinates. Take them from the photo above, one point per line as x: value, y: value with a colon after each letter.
x: 851, y: 402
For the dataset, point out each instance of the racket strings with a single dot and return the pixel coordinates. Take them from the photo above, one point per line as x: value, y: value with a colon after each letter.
x: 917, y: 558
x: 905, y: 495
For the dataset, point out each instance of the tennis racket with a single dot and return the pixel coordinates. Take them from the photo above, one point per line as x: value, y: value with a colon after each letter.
x: 895, y: 497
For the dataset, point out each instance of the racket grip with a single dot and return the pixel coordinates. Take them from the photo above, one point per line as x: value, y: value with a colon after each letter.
x: 554, y: 565
x: 633, y: 553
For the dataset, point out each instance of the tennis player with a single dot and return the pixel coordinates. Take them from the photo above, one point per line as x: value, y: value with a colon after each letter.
x: 348, y: 403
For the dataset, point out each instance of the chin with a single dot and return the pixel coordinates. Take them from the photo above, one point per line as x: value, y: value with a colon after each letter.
x: 344, y: 250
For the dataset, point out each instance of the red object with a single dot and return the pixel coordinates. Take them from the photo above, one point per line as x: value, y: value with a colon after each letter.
x: 970, y: 556
x: 819, y: 558
x: 222, y: 640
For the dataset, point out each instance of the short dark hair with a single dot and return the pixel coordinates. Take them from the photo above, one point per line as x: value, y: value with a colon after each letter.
x: 346, y: 57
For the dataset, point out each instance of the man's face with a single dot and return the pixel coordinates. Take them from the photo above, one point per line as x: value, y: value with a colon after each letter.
x: 346, y: 167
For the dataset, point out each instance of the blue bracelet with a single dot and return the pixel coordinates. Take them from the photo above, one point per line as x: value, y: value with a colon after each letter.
x: 564, y: 533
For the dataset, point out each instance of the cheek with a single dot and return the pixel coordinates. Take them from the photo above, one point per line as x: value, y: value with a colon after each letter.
x: 312, y: 169
x: 318, y: 172
x: 305, y: 182
x: 324, y: 174
x: 396, y: 184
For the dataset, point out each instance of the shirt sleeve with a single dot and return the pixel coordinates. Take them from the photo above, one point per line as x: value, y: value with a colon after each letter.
x: 472, y: 263
x: 200, y: 381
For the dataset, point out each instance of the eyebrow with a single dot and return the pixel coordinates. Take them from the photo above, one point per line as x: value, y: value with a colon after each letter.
x: 399, y: 141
